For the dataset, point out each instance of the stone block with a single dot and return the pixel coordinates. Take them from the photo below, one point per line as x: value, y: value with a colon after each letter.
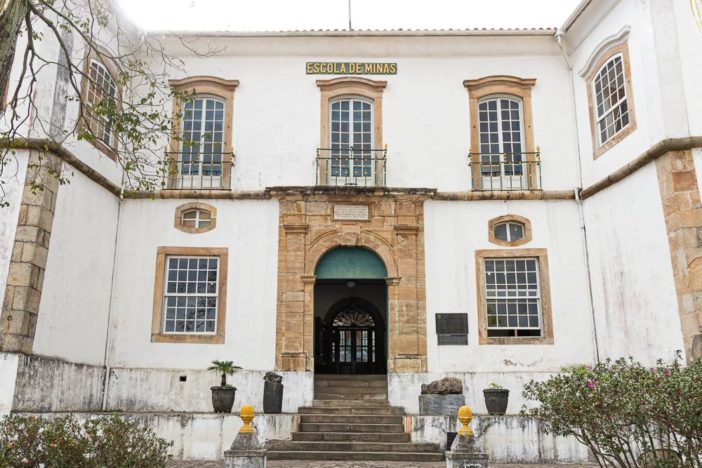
x: 440, y: 405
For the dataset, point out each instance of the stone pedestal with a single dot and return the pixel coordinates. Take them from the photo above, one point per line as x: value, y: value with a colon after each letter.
x: 245, y: 452
x: 463, y: 454
x: 440, y: 405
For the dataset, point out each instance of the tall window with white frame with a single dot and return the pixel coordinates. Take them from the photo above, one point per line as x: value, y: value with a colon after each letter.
x: 101, y: 94
x: 202, y: 143
x: 501, y: 141
x: 512, y: 297
x: 190, y: 302
x: 611, y: 106
x: 351, y: 141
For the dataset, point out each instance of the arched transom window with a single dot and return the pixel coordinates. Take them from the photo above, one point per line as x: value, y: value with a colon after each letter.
x: 196, y: 218
x: 609, y: 89
x: 510, y: 231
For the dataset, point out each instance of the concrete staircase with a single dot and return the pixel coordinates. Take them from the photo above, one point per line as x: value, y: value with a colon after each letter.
x: 352, y: 420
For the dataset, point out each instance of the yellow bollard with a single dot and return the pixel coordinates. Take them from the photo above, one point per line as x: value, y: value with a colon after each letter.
x: 465, y: 416
x: 246, y: 414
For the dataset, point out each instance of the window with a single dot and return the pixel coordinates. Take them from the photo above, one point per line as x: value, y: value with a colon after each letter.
x: 502, y: 146
x: 195, y: 218
x: 509, y: 230
x: 189, y: 298
x: 201, y: 155
x: 513, y: 297
x: 608, y: 79
x: 99, y: 86
x: 351, y: 149
x: 612, y: 112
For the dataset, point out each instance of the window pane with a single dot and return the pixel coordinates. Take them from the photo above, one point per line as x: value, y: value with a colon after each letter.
x: 501, y: 231
x: 190, y: 300
x: 516, y: 231
x: 512, y: 298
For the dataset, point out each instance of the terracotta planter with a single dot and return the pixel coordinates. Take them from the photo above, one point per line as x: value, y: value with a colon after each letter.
x: 223, y: 399
x: 496, y: 400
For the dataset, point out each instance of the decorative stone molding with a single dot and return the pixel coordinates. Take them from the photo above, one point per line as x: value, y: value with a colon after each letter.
x: 157, y: 335
x: 507, y: 218
x: 308, y: 230
x: 544, y: 286
x: 178, y: 218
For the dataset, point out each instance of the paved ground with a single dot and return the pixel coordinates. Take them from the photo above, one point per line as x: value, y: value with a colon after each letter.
x: 340, y: 464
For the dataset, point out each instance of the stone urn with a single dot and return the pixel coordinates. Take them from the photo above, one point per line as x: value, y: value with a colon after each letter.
x: 223, y: 399
x: 496, y: 400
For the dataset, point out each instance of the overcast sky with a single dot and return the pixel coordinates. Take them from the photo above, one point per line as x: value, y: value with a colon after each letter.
x: 283, y: 15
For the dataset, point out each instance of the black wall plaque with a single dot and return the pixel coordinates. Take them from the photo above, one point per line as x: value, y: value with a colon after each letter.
x: 453, y: 339
x: 452, y: 324
x: 452, y: 329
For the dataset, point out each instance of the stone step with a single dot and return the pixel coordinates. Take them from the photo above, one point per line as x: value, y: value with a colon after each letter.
x: 338, y: 403
x: 350, y: 419
x: 351, y: 390
x: 289, y: 445
x: 350, y: 384
x: 383, y: 377
x: 356, y: 456
x: 328, y: 395
x: 350, y: 427
x: 351, y: 436
x: 360, y: 410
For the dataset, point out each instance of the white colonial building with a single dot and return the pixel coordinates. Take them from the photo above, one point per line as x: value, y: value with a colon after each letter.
x: 347, y: 191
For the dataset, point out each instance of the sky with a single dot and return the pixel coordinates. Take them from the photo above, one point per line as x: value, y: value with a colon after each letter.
x: 285, y: 15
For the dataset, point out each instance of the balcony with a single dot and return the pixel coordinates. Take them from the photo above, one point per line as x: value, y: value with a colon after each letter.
x: 191, y: 170
x: 505, y: 171
x: 348, y: 167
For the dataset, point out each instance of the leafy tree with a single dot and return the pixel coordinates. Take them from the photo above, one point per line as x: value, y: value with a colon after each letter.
x: 56, y: 39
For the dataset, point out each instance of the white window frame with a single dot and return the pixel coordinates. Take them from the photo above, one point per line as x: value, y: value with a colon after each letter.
x: 503, y: 180
x: 200, y: 180
x: 535, y: 295
x: 166, y: 295
x: 92, y: 91
x: 599, y: 118
x: 362, y: 180
x: 509, y: 233
x: 198, y: 218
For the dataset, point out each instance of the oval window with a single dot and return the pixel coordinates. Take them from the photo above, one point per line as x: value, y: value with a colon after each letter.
x: 196, y: 218
x: 509, y: 231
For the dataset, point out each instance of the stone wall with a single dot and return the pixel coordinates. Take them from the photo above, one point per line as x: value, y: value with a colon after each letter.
x: 680, y: 195
x: 394, y: 230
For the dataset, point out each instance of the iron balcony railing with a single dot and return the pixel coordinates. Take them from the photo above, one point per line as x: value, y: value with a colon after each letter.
x: 199, y: 170
x: 505, y: 171
x: 351, y: 167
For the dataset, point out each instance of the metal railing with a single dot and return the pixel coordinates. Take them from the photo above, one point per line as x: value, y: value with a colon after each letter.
x: 505, y: 171
x: 351, y: 167
x: 192, y: 170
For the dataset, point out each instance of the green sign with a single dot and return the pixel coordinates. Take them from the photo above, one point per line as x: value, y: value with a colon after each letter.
x: 351, y: 68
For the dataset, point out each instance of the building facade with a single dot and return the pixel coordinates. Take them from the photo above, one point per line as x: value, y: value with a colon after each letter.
x: 488, y: 204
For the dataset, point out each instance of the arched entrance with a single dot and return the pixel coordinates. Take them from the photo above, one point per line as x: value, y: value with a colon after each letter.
x: 350, y: 298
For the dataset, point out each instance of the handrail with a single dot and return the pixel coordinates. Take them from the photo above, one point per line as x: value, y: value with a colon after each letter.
x: 198, y: 170
x: 505, y: 171
x: 351, y: 167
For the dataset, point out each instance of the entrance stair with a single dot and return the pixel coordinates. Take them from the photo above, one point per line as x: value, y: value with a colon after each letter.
x: 351, y: 419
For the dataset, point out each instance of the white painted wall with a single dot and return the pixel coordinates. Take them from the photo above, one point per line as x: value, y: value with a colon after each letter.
x: 8, y: 377
x: 453, y: 232
x: 249, y: 229
x: 600, y: 21
x: 75, y: 298
x: 690, y: 43
x: 425, y: 106
x: 634, y: 293
x: 11, y: 185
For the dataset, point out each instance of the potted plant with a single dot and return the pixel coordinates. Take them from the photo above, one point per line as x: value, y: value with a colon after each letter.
x: 496, y: 399
x: 223, y: 396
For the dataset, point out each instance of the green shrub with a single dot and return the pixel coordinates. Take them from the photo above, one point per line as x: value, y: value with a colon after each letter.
x: 27, y: 442
x: 627, y: 414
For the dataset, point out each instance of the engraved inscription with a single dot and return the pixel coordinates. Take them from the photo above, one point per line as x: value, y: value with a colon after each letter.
x: 351, y: 212
x: 453, y: 339
x: 451, y: 324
